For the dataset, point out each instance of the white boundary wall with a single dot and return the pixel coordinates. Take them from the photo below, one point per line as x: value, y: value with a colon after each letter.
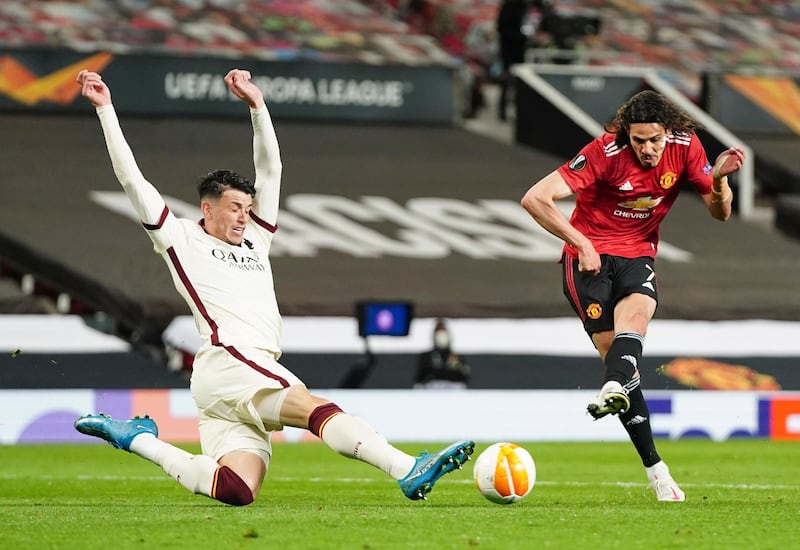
x: 433, y: 415
x: 563, y: 336
x: 430, y: 415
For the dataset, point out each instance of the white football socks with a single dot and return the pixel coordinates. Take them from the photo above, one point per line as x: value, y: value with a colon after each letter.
x: 195, y: 472
x: 352, y: 437
x: 348, y: 435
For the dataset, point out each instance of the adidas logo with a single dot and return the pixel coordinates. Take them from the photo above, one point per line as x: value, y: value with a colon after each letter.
x: 630, y: 359
x: 627, y: 186
x: 638, y: 419
x: 652, y: 275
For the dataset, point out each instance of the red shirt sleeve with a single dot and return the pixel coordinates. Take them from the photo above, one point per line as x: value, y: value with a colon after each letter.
x: 587, y: 167
x: 698, y: 168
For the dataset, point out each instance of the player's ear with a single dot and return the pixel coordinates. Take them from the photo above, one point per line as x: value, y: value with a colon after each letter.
x: 206, y: 207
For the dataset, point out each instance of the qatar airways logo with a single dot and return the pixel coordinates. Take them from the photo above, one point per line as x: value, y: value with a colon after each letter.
x: 243, y: 262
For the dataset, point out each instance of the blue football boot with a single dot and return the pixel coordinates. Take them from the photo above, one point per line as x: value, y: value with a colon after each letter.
x: 118, y: 433
x: 430, y: 467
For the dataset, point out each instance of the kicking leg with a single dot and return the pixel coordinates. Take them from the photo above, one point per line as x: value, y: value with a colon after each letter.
x: 622, y: 375
x: 353, y: 437
x: 636, y: 421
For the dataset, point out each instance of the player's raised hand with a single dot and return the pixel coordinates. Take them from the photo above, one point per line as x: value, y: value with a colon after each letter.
x: 93, y: 88
x: 728, y: 162
x: 241, y: 86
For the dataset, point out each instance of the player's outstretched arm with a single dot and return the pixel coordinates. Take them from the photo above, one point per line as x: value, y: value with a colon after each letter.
x: 144, y: 197
x: 266, y: 152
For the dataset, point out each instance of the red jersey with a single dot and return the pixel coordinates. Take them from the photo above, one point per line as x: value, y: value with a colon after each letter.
x: 620, y: 203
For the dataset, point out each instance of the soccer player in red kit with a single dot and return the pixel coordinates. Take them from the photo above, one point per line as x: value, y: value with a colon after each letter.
x: 625, y: 182
x: 241, y: 391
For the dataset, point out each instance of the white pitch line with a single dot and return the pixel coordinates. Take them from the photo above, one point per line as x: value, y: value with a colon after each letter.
x: 742, y: 486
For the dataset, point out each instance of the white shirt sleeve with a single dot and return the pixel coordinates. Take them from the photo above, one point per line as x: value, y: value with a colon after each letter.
x: 145, y: 198
x: 267, y: 160
x: 147, y: 201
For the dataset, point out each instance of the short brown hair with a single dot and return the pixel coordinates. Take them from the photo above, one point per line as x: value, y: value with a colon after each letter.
x: 217, y: 182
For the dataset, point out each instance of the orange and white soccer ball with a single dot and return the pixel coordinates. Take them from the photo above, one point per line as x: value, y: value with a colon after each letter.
x: 504, y: 473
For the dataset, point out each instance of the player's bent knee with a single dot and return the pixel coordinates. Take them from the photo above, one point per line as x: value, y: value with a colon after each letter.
x: 230, y: 488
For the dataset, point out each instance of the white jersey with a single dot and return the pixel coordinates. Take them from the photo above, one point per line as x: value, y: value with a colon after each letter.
x: 228, y: 288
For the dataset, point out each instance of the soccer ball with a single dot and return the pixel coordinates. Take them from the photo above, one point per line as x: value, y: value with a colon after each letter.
x: 504, y: 473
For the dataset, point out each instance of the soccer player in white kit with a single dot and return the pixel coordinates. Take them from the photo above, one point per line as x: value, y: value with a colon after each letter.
x: 221, y: 268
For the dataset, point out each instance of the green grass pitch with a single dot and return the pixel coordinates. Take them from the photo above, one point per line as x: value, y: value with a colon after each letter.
x: 740, y: 494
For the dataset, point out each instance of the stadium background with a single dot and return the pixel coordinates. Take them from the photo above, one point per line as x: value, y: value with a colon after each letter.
x: 388, y: 193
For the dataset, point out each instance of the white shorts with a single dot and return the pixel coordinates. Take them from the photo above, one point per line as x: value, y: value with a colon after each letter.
x: 224, y: 382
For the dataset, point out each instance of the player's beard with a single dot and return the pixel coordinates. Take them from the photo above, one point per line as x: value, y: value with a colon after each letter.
x: 649, y: 161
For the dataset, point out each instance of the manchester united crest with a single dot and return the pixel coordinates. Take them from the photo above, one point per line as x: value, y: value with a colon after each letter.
x: 668, y: 180
x: 594, y: 311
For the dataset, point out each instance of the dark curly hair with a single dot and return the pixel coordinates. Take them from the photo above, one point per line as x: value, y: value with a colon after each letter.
x: 649, y: 106
x: 217, y: 182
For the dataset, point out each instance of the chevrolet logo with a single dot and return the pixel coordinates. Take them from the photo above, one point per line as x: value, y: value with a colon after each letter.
x: 23, y: 86
x: 642, y: 203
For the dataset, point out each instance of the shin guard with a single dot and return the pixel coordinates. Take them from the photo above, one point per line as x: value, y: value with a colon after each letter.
x: 622, y: 359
